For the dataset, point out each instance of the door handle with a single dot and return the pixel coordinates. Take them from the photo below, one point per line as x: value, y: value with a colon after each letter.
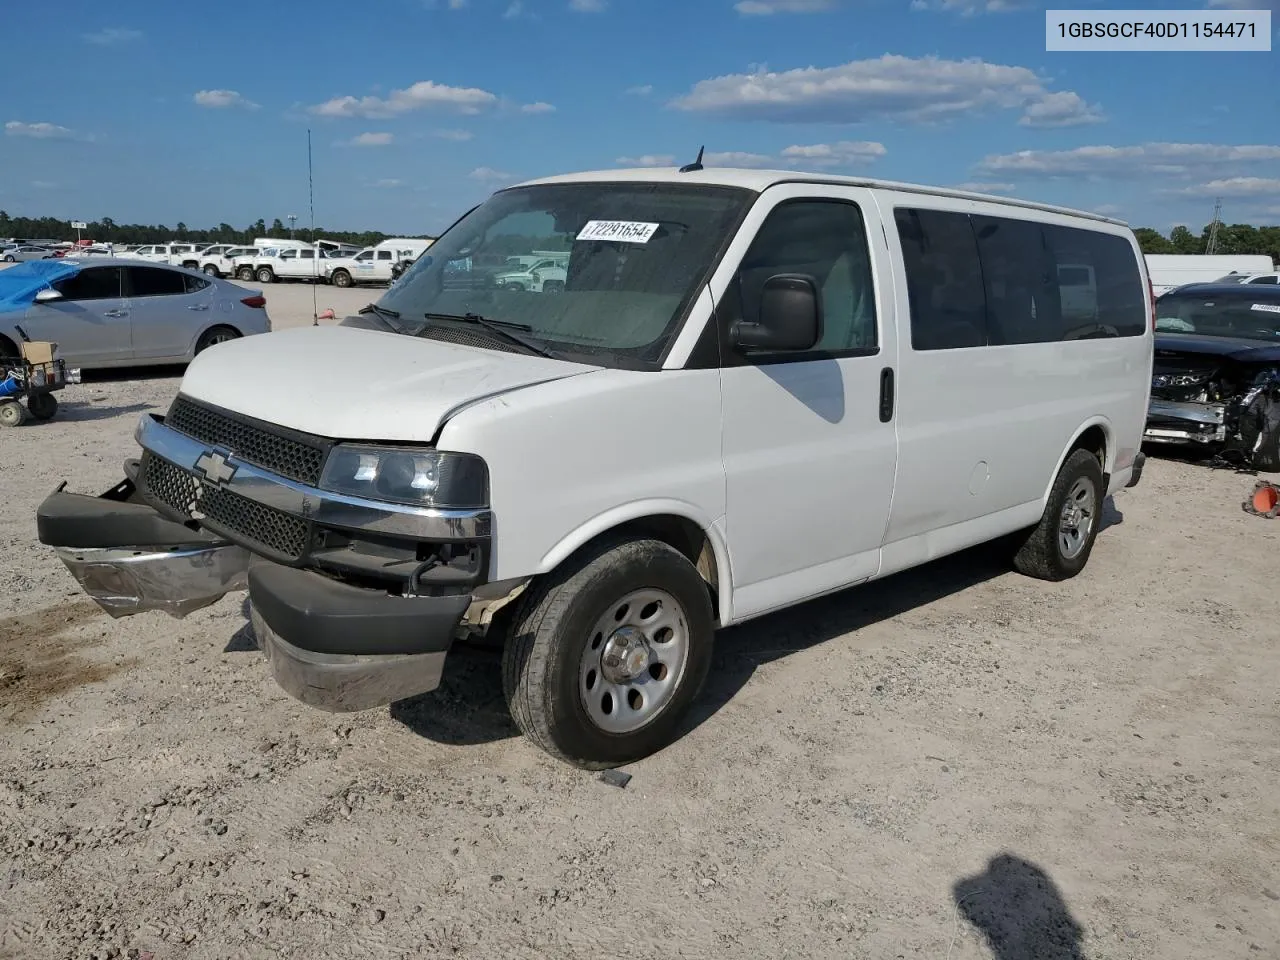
x: 115, y: 313
x: 886, y: 394
x: 198, y: 306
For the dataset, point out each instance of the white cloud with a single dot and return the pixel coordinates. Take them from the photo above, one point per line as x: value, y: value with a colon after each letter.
x: 1237, y: 187
x: 841, y: 154
x: 641, y: 91
x: 458, y: 136
x: 489, y: 175
x: 38, y: 131
x: 425, y: 94
x: 371, y: 140
x: 388, y: 183
x: 976, y: 186
x: 739, y: 158
x: 1063, y: 109
x: 1137, y: 161
x: 539, y: 107
x: 969, y: 8
x: 514, y: 9
x: 917, y: 90
x: 109, y: 36
x: 587, y: 6
x: 764, y: 8
x: 648, y: 160
x: 222, y: 100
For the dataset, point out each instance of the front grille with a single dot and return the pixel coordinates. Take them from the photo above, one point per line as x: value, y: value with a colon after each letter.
x: 276, y: 532
x: 291, y: 457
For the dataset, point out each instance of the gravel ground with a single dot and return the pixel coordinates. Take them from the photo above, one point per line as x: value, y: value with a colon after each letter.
x: 955, y: 763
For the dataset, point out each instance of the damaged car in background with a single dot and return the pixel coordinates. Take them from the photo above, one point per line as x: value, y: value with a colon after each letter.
x: 1216, y: 377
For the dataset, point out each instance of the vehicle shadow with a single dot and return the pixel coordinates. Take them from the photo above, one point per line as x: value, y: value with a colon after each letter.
x: 82, y: 411
x: 469, y: 708
x: 1019, y: 911
x: 121, y: 374
x: 1111, y: 515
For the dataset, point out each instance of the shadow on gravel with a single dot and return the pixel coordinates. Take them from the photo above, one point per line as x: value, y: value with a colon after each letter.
x: 1111, y: 515
x: 468, y: 706
x: 122, y: 374
x: 1019, y: 911
x: 81, y: 411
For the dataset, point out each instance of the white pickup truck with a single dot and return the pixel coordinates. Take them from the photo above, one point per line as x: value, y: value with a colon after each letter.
x: 298, y: 263
x: 220, y: 259
x: 174, y: 254
x: 372, y: 264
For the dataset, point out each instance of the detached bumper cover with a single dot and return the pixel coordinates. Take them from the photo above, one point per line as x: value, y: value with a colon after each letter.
x: 343, y: 648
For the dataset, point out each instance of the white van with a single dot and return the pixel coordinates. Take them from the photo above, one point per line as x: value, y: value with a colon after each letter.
x: 754, y: 388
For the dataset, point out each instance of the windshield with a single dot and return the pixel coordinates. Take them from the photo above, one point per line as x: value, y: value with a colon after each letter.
x: 611, y: 267
x: 1255, y: 318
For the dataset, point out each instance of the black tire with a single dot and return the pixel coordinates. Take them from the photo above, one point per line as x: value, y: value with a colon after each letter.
x: 553, y: 286
x: 245, y: 273
x: 10, y: 258
x: 8, y: 349
x: 550, y: 640
x: 1048, y: 551
x: 265, y: 275
x: 11, y: 413
x: 42, y: 406
x: 211, y: 270
x: 215, y: 335
x: 340, y: 278
x: 191, y: 264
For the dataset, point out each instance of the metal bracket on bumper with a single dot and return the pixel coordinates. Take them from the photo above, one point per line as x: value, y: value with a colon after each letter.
x: 130, y: 559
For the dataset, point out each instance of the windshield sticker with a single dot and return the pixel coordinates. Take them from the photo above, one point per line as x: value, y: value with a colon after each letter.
x: 1267, y: 307
x: 622, y: 231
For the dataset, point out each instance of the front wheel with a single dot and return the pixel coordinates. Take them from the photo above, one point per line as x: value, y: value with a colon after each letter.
x: 340, y: 278
x: 244, y: 273
x: 11, y: 414
x: 211, y: 270
x: 605, y: 657
x: 1059, y: 546
x: 553, y: 286
x: 9, y: 258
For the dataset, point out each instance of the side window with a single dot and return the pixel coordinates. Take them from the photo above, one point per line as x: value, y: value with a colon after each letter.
x: 96, y: 283
x: 153, y: 282
x: 366, y: 255
x: 1267, y: 279
x: 289, y: 255
x: 944, y: 279
x: 384, y: 254
x: 195, y: 284
x: 825, y: 240
x: 1020, y: 282
x: 1110, y: 296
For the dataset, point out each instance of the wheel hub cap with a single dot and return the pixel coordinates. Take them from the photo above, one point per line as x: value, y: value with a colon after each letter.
x: 626, y: 655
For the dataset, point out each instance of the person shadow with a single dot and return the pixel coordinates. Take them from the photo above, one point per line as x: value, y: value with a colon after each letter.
x: 1019, y: 911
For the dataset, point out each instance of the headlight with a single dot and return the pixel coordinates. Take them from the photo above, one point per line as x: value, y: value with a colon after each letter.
x: 411, y: 475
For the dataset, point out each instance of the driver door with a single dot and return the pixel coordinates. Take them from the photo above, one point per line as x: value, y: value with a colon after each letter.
x: 91, y: 323
x: 810, y: 448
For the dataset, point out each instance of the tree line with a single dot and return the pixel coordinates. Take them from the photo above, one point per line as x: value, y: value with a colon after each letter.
x: 107, y: 230
x: 1238, y: 238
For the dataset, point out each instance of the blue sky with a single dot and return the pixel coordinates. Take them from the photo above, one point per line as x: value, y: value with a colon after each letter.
x: 163, y: 112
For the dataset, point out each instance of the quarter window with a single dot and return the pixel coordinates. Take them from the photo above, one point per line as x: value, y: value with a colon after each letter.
x: 194, y: 284
x: 827, y: 241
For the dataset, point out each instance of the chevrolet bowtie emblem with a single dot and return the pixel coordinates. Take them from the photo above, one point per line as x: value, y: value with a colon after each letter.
x: 215, y: 467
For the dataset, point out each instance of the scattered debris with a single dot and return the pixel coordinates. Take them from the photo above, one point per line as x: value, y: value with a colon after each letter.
x: 616, y: 778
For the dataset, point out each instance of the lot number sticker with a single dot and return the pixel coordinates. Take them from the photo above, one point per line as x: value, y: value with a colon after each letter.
x: 1267, y: 307
x: 622, y: 231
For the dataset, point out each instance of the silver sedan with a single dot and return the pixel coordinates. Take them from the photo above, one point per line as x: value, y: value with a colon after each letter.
x: 109, y: 312
x: 21, y: 253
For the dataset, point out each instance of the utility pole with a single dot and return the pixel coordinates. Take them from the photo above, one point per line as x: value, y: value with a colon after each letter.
x: 1212, y: 245
x: 293, y: 218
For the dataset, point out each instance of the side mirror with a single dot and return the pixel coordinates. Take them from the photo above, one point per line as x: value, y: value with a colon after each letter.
x: 47, y: 295
x: 790, y: 316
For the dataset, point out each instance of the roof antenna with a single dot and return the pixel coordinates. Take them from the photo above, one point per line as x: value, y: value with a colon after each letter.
x: 696, y: 165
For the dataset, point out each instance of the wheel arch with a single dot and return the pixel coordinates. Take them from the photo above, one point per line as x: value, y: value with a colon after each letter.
x: 1095, y: 435
x: 673, y: 522
x: 195, y: 343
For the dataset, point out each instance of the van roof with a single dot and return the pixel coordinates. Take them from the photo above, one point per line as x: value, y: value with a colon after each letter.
x: 760, y: 180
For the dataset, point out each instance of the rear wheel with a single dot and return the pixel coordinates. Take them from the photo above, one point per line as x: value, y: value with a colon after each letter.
x: 606, y: 655
x: 1059, y: 546
x: 265, y: 275
x: 43, y: 406
x: 215, y: 335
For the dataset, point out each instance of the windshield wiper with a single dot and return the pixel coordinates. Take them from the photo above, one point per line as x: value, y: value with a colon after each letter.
x: 504, y: 328
x: 390, y: 317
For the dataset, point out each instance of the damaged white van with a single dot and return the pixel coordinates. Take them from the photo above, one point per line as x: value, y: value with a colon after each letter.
x: 753, y: 388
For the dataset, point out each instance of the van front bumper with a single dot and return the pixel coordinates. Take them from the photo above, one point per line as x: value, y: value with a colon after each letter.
x: 331, y: 645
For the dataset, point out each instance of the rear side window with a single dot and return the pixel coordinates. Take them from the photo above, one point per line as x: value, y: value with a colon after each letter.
x: 96, y: 283
x: 194, y: 284
x: 151, y: 282
x: 990, y: 281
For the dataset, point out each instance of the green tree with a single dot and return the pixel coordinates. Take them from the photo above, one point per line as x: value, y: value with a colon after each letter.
x: 1152, y: 241
x: 1184, y: 241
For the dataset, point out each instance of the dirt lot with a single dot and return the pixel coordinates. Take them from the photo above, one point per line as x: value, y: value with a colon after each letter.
x: 954, y: 763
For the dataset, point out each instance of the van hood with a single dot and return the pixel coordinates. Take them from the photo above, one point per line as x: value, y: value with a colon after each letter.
x: 349, y: 383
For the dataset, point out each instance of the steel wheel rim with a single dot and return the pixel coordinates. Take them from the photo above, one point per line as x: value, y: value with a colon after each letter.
x: 1075, y: 522
x: 634, y: 660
